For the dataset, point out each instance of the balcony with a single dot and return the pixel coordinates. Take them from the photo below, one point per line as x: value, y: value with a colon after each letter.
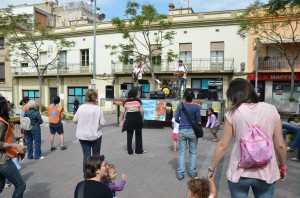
x: 203, y: 65
x: 273, y: 63
x: 64, y: 69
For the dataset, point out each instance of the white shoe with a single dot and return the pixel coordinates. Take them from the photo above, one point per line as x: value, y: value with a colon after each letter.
x: 42, y: 157
x: 7, y: 185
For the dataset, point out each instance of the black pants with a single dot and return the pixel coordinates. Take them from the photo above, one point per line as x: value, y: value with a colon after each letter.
x: 138, y: 141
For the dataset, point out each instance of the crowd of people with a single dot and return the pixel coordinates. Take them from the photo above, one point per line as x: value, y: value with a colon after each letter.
x: 246, y: 113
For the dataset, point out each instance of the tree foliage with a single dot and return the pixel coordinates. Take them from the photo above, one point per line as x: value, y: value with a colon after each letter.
x: 273, y: 6
x: 278, y: 29
x: 26, y: 39
x: 144, y: 32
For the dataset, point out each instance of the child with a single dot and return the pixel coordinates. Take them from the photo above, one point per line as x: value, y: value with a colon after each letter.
x: 201, y: 188
x: 213, y: 124
x: 175, y: 126
x: 111, y: 175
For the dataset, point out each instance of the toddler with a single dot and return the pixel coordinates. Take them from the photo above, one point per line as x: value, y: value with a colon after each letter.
x: 111, y: 175
x: 201, y: 188
x: 175, y: 126
x: 213, y: 124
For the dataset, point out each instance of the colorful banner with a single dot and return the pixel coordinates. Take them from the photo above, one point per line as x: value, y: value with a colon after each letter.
x: 154, y: 110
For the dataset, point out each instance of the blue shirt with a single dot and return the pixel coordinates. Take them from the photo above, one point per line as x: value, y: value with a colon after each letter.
x: 193, y: 110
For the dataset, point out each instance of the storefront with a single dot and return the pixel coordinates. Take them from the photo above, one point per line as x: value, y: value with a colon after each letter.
x: 276, y: 86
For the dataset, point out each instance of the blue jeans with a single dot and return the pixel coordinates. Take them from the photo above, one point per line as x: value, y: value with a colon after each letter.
x: 292, y: 129
x: 90, y: 146
x: 260, y: 188
x: 33, y: 137
x: 187, y: 137
x: 9, y: 170
x: 181, y: 82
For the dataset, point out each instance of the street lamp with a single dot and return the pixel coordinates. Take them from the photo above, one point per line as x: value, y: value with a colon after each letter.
x: 101, y: 17
x: 256, y: 65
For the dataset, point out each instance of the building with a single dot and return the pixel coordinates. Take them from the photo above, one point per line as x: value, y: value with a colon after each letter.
x: 207, y: 43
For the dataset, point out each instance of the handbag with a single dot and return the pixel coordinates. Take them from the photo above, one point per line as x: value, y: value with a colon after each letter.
x: 196, y: 126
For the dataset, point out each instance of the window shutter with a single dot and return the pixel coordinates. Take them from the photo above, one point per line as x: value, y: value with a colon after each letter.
x: 217, y: 46
x: 185, y: 47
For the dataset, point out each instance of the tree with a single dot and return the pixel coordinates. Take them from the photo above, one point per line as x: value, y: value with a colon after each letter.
x: 275, y: 28
x: 26, y: 39
x: 144, y: 33
x: 276, y: 5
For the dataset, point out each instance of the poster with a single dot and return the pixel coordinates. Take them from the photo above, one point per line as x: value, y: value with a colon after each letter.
x: 174, y: 105
x: 102, y: 102
x: 216, y: 106
x: 154, y: 110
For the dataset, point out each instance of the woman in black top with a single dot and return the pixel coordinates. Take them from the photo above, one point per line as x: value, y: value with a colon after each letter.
x: 133, y: 121
x: 94, y: 170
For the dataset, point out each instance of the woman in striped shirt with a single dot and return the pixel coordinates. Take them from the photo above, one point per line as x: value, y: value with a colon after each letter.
x: 132, y: 119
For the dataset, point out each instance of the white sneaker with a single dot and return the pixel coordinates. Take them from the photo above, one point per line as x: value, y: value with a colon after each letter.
x: 7, y: 185
x: 42, y: 157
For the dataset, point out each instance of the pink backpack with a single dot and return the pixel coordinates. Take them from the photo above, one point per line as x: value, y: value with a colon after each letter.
x: 256, y: 146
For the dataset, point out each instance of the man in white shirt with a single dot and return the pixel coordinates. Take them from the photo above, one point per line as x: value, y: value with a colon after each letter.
x: 137, y: 73
x: 181, y: 73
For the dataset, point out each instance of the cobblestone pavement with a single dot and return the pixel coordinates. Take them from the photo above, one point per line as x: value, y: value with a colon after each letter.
x: 149, y: 175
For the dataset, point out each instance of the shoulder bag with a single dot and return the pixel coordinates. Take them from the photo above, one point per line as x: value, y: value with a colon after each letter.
x: 196, y: 126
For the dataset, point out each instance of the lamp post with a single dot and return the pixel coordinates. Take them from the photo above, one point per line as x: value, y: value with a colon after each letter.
x: 256, y: 64
x: 94, y: 47
x: 100, y: 17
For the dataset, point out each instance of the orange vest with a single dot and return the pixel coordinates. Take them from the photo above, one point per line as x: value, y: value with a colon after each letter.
x: 9, y: 138
x: 54, y: 114
x: 24, y: 108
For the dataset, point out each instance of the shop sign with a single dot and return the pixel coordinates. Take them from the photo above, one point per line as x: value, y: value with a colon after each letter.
x: 273, y: 77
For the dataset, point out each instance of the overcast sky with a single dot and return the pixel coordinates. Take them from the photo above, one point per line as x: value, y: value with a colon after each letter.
x: 115, y: 8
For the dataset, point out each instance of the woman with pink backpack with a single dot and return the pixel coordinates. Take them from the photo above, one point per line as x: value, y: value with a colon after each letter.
x: 255, y: 128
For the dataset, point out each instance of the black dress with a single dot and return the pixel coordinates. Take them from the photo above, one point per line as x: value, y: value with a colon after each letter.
x: 133, y: 122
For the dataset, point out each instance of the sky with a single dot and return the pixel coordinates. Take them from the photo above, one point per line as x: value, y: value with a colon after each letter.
x: 115, y: 8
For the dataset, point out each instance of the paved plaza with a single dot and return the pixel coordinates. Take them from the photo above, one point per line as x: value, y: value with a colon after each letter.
x: 150, y: 175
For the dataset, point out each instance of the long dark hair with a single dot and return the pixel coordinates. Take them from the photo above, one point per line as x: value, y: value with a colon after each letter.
x: 4, y: 109
x: 189, y: 95
x: 241, y: 91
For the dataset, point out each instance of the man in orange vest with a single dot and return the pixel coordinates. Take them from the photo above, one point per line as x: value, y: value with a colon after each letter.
x: 55, y: 114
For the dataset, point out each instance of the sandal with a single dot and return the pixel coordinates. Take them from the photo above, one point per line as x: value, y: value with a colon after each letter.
x: 215, y: 140
x: 295, y: 159
x: 289, y: 149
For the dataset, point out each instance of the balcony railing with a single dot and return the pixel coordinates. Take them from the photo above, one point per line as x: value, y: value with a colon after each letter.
x: 194, y: 66
x: 270, y: 63
x: 64, y: 69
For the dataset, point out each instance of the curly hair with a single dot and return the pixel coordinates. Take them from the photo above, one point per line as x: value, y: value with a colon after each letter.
x: 109, y: 168
x: 199, y: 187
x: 189, y: 95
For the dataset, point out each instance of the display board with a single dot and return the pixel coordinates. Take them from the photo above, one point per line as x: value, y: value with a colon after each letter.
x: 154, y: 110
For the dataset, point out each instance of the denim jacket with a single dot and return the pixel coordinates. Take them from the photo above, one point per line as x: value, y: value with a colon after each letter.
x: 35, y: 118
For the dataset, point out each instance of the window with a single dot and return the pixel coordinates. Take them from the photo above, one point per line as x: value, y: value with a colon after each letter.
x: 2, y: 72
x: 210, y: 88
x: 1, y: 42
x: 85, y: 57
x: 127, y: 57
x: 24, y: 64
x: 62, y: 59
x: 79, y: 92
x: 43, y: 58
x: 156, y: 55
x: 217, y: 55
x: 32, y: 94
x: 185, y: 54
x: 282, y: 90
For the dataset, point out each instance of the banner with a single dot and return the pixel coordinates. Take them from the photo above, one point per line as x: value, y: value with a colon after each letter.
x: 154, y: 110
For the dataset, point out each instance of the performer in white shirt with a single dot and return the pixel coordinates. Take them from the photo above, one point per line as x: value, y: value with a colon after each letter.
x: 181, y: 74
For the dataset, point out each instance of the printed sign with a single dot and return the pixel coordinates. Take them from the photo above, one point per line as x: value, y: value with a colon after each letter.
x: 154, y: 110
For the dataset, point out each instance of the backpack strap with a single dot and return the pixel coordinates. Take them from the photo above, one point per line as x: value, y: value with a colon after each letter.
x: 255, y: 117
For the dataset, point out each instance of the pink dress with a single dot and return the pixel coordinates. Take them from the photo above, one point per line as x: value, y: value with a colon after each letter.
x: 267, y: 119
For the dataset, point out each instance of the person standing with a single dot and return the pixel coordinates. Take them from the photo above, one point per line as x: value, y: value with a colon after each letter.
x: 132, y: 119
x: 246, y: 110
x: 186, y: 135
x: 90, y: 121
x: 213, y: 124
x: 94, y: 169
x: 24, y: 104
x: 137, y: 73
x: 181, y: 74
x: 55, y: 114
x: 75, y: 105
x: 9, y: 150
x: 34, y: 135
